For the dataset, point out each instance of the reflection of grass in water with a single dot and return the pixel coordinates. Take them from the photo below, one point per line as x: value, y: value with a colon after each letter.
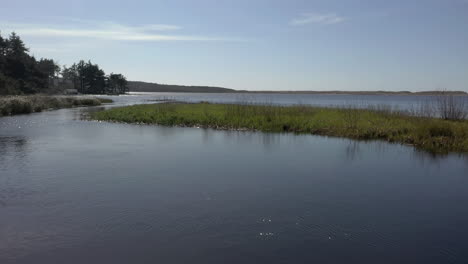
x: 431, y: 134
x: 12, y: 105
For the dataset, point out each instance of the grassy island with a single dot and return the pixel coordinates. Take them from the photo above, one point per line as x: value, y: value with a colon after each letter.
x: 430, y: 134
x: 13, y: 105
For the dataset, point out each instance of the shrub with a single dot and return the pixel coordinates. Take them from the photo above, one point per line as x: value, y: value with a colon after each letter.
x: 19, y: 106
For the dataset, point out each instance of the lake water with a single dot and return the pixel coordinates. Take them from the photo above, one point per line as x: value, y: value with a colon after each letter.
x: 77, y: 191
x: 396, y: 102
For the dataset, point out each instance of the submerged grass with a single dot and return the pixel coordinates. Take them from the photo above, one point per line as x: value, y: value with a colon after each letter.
x: 431, y: 134
x: 13, y: 105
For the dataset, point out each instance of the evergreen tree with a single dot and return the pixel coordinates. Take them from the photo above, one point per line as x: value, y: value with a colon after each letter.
x: 48, y: 67
x: 21, y: 73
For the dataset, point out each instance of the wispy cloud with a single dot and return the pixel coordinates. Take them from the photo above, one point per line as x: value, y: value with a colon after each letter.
x: 317, y: 18
x: 108, y: 31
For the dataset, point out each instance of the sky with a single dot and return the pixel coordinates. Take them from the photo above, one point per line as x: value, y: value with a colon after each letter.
x: 397, y: 45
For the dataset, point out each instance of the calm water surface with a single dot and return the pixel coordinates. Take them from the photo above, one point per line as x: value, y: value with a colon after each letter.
x: 76, y: 191
x: 396, y: 102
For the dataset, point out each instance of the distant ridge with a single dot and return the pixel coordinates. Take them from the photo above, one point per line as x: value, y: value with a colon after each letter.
x: 367, y: 92
x: 156, y: 87
x: 136, y: 86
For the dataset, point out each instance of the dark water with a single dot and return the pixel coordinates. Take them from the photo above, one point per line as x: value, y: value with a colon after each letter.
x: 75, y: 191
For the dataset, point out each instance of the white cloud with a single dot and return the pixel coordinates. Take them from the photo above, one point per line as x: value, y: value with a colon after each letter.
x: 107, y: 31
x: 316, y: 18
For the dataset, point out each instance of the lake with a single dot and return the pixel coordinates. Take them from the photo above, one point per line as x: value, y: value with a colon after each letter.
x: 395, y: 102
x: 78, y: 191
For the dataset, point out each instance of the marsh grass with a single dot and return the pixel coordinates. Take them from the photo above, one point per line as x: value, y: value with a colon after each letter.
x: 444, y: 105
x: 431, y: 134
x: 451, y: 107
x: 105, y: 100
x: 13, y: 105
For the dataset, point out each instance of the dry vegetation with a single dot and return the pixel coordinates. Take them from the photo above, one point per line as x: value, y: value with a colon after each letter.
x: 12, y: 105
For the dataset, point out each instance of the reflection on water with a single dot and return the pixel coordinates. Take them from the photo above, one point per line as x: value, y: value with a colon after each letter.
x: 352, y: 150
x: 267, y: 141
x: 12, y: 147
x: 17, y: 144
x: 76, y: 191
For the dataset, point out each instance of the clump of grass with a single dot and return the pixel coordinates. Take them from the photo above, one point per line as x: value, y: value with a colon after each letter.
x: 444, y: 104
x: 13, y: 105
x: 451, y: 107
x: 431, y: 134
x: 105, y: 100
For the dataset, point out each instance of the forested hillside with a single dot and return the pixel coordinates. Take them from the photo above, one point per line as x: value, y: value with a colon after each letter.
x: 155, y: 87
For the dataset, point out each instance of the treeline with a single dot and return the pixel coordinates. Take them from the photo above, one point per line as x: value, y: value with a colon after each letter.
x: 21, y: 73
x: 90, y: 79
x: 156, y: 87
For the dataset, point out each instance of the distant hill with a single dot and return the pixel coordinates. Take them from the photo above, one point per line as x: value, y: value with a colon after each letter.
x: 156, y: 87
x: 368, y: 92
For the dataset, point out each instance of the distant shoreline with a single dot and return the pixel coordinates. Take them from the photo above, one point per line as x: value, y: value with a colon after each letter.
x: 168, y: 88
x: 424, y: 93
x: 461, y: 93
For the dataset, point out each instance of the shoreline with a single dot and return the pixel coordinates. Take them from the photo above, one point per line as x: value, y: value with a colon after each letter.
x: 26, y: 104
x: 429, y: 134
x: 399, y: 93
x: 386, y: 93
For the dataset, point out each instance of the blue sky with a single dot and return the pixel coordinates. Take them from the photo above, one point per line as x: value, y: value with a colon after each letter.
x: 256, y: 44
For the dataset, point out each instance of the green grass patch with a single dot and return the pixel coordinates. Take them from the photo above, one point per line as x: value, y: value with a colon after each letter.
x: 430, y: 134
